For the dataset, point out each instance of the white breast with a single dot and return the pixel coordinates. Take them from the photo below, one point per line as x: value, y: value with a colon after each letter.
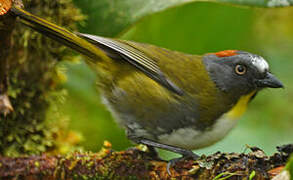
x: 189, y: 138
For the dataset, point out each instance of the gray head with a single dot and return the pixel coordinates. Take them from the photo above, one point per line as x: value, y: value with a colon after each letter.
x: 240, y: 72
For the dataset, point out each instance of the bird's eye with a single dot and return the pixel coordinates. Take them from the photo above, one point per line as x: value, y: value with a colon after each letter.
x: 240, y: 69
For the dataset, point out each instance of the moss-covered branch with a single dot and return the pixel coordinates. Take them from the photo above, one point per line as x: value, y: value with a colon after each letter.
x: 6, y: 27
x: 29, y: 79
x: 135, y: 164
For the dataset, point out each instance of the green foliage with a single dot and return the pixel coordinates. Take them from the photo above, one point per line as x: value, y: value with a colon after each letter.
x: 252, y: 175
x: 289, y: 167
x: 33, y: 83
x: 111, y: 17
x: 262, y: 3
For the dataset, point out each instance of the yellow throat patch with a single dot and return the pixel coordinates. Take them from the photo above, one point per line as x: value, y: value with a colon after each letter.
x: 240, y: 107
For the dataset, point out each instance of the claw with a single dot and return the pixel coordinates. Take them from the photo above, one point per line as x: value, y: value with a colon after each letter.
x: 172, y: 162
x: 188, y: 155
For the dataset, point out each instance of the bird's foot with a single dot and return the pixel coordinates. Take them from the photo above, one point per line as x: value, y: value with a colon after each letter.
x: 186, y: 155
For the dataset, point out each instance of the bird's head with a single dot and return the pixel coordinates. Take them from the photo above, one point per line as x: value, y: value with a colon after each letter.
x: 240, y: 72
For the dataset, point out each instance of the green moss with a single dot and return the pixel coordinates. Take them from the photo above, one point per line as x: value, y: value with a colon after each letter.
x: 33, y: 83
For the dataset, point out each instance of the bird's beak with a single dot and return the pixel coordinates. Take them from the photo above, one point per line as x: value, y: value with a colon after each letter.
x: 269, y: 81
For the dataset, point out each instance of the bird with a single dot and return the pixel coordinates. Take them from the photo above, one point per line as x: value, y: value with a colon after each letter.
x: 167, y: 99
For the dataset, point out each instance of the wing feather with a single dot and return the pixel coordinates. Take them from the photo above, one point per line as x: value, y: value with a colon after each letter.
x: 135, y: 57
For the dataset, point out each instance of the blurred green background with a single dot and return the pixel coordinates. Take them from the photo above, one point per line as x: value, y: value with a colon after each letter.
x: 195, y: 28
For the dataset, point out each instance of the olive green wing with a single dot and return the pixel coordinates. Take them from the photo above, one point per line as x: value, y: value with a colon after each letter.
x: 138, y: 59
x: 86, y: 44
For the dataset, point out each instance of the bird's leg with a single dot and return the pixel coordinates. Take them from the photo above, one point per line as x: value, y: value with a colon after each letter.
x: 174, y: 149
x: 186, y: 154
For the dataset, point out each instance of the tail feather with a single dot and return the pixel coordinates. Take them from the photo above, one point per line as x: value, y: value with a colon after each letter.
x: 59, y: 34
x: 93, y: 47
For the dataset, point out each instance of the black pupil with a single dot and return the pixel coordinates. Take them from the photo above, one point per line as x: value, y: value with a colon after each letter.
x: 240, y: 68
